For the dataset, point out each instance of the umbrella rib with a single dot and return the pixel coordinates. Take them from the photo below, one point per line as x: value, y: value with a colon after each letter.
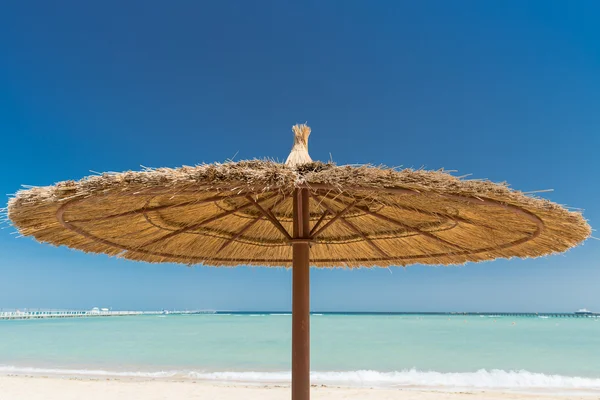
x: 369, y: 241
x: 240, y: 233
x: 248, y: 226
x: 157, y: 208
x: 316, y: 226
x: 206, y: 221
x: 336, y: 216
x: 456, y: 218
x: 408, y: 227
x: 413, y: 229
x: 270, y: 217
x: 352, y: 226
x: 418, y: 210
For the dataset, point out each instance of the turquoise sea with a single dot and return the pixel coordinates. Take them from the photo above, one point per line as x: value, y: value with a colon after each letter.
x: 363, y: 350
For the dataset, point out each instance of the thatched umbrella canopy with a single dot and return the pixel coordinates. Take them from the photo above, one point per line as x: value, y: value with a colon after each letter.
x: 295, y: 214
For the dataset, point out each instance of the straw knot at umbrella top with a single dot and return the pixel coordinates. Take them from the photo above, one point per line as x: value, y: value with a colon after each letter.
x: 299, y: 154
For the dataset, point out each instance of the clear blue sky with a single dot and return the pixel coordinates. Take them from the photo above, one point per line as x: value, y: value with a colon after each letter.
x: 505, y: 90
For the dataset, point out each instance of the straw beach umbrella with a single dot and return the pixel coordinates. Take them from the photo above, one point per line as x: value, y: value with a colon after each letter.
x: 298, y: 214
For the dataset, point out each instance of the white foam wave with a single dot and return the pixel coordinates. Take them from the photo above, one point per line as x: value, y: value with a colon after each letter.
x: 8, y: 369
x: 482, y: 379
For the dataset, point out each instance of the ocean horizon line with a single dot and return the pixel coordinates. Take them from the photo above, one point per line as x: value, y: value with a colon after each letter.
x: 345, y: 312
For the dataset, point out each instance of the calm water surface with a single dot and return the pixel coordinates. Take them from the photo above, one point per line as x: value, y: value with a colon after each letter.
x: 386, y: 349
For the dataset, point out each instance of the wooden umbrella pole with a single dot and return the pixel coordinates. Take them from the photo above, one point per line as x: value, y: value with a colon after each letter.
x: 301, y: 298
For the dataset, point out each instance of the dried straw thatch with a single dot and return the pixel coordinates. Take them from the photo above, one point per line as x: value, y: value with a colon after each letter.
x: 240, y: 213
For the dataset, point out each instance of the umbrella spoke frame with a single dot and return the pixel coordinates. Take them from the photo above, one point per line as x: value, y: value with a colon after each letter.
x: 322, y: 224
x: 249, y: 225
x: 269, y: 216
x: 350, y: 224
x: 206, y: 221
x: 407, y: 227
x: 318, y: 223
x: 147, y: 209
x: 336, y: 216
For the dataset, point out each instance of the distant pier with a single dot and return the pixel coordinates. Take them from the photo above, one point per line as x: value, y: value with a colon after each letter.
x: 516, y: 314
x: 534, y: 315
x: 104, y: 312
x: 587, y: 314
x: 39, y: 314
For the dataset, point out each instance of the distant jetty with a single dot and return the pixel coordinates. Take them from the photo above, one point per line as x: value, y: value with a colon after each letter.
x: 105, y: 312
x: 578, y: 314
x: 94, y: 312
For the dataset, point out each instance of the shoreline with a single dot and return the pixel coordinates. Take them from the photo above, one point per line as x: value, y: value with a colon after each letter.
x: 503, y: 392
x: 47, y: 387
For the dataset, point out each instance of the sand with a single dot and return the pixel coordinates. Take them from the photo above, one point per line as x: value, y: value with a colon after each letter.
x: 58, y: 388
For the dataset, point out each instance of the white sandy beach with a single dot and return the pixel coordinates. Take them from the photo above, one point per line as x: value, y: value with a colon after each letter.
x: 58, y: 388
